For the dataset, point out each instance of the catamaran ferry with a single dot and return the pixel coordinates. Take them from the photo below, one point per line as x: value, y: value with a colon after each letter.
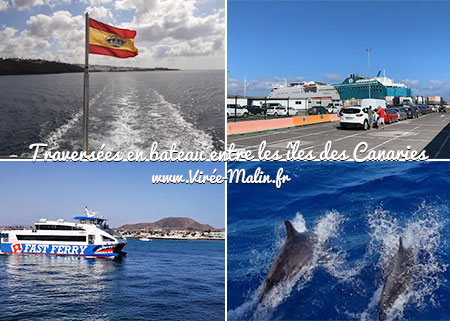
x: 91, y: 236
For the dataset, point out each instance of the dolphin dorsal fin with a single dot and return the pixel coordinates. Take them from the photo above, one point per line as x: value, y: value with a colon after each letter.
x: 290, y: 230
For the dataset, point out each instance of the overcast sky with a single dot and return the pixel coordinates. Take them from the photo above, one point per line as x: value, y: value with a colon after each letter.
x: 269, y: 41
x: 187, y: 34
x: 122, y: 192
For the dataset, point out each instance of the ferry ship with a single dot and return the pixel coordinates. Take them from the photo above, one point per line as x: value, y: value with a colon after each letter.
x: 90, y: 237
x: 303, y: 89
x: 357, y: 87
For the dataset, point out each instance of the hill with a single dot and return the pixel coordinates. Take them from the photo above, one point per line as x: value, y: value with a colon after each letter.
x: 16, y: 66
x: 169, y: 223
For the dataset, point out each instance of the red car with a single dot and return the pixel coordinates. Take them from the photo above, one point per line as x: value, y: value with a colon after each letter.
x: 391, y: 116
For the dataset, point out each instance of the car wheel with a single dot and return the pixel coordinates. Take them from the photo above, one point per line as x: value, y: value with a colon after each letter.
x: 276, y: 114
x: 366, y: 125
x: 245, y: 115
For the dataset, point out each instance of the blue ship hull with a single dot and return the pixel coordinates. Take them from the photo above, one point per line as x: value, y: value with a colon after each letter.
x: 64, y: 250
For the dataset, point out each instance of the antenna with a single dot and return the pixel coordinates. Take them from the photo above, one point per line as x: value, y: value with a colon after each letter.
x: 245, y: 86
x: 89, y: 213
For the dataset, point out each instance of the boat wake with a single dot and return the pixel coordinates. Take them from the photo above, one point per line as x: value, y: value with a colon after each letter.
x: 130, y: 120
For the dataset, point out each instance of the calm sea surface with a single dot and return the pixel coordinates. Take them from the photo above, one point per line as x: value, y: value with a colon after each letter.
x: 358, y: 212
x: 128, y: 111
x: 158, y: 280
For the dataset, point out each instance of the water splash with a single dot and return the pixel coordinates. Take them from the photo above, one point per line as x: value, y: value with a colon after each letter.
x: 326, y: 229
x: 422, y: 232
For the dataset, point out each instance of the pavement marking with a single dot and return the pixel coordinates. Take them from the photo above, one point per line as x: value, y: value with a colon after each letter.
x: 442, y: 145
x: 292, y: 138
x: 390, y: 140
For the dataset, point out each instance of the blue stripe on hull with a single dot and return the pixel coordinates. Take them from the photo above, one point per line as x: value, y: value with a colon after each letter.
x: 59, y: 249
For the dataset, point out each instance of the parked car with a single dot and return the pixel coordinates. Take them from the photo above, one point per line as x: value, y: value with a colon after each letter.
x: 271, y: 105
x: 411, y: 112
x: 255, y: 109
x: 417, y: 109
x: 423, y: 110
x: 435, y: 108
x: 442, y: 109
x: 355, y: 116
x: 236, y: 111
x: 334, y: 108
x: 401, y: 113
x: 281, y: 111
x: 317, y: 110
x: 391, y: 116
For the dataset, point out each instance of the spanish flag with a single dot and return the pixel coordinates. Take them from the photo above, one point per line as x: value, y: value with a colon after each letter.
x: 111, y: 41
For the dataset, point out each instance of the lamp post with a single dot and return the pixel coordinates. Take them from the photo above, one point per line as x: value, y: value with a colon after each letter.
x: 368, y: 66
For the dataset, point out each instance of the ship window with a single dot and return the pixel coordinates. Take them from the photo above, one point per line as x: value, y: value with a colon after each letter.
x: 50, y: 238
x: 58, y: 227
x: 106, y: 239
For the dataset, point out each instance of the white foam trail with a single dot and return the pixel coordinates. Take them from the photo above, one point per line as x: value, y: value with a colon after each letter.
x: 332, y: 256
x: 373, y: 304
x: 136, y: 125
x: 54, y: 138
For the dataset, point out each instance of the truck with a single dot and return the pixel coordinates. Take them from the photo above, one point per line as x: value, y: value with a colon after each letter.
x: 376, y: 104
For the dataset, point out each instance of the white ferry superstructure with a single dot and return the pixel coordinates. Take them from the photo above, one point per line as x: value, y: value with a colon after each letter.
x: 90, y: 236
x: 304, y: 90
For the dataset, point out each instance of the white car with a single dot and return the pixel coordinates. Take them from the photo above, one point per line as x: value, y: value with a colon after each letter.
x: 236, y: 111
x: 355, y: 116
x: 281, y: 111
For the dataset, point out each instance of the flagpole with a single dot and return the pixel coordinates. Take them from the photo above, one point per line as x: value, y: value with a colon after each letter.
x: 86, y: 89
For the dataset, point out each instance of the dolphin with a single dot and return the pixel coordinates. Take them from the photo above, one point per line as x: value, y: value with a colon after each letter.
x: 398, y: 277
x: 296, y: 253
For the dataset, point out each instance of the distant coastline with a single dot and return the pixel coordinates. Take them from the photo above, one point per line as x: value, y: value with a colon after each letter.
x: 17, y: 66
x: 173, y: 228
x: 218, y: 238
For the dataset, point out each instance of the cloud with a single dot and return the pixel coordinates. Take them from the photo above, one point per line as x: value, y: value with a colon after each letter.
x: 96, y: 2
x: 175, y: 27
x: 56, y: 37
x: 3, y: 5
x: 175, y: 33
x: 59, y: 24
x: 438, y: 87
x: 100, y: 13
x: 14, y: 44
x: 235, y: 86
x: 25, y: 4
x: 411, y: 82
x: 333, y: 77
x: 438, y: 84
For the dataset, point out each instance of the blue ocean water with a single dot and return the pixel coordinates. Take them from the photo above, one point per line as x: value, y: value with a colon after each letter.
x: 158, y: 280
x: 358, y: 211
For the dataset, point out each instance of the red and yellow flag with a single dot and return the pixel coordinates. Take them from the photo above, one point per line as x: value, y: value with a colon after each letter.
x: 111, y: 41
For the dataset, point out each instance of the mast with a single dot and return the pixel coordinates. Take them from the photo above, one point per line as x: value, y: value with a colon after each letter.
x: 86, y: 88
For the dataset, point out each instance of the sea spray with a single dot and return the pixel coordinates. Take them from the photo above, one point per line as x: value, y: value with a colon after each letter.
x: 422, y: 232
x: 326, y: 229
